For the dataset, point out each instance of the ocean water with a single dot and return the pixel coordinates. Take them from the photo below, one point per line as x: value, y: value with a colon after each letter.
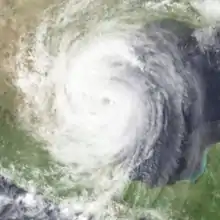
x: 48, y: 49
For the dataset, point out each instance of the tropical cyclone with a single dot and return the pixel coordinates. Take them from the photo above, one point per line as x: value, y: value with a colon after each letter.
x: 139, y: 105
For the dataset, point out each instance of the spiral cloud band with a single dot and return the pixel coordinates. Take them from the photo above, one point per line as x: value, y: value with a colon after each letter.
x: 119, y: 102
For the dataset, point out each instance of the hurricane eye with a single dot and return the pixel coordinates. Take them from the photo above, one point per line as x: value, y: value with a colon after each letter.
x: 106, y: 101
